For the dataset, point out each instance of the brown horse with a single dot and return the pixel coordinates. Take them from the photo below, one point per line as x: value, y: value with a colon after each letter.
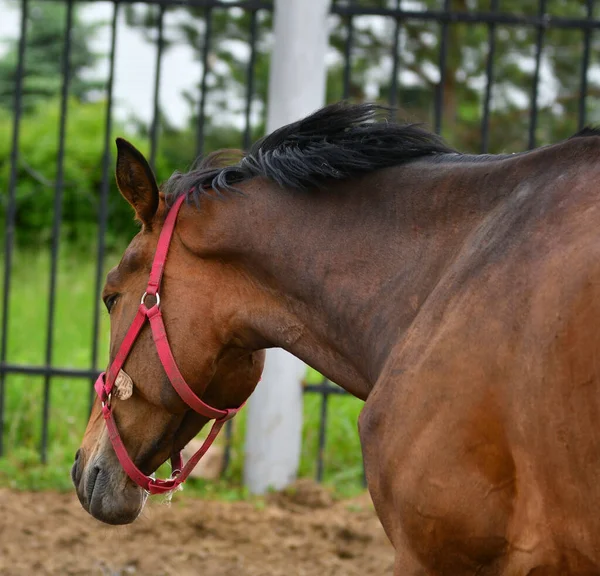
x: 459, y: 296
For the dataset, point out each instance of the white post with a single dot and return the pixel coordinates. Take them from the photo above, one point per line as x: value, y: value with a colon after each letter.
x: 296, y: 88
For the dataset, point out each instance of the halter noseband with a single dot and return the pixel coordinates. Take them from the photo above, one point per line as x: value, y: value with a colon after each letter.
x: 105, y: 382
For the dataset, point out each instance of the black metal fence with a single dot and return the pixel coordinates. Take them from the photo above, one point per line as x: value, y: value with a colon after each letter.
x: 438, y: 60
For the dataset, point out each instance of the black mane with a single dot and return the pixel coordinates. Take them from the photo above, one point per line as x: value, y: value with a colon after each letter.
x: 336, y: 142
x: 587, y: 131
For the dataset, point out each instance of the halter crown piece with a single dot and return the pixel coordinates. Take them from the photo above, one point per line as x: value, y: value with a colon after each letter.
x: 106, y: 381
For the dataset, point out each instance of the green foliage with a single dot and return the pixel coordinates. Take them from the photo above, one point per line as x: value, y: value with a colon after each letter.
x: 43, y: 57
x: 465, y: 79
x: 83, y: 171
x: 69, y: 398
x: 82, y: 166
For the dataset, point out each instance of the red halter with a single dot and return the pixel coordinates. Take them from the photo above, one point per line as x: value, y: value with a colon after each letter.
x: 104, y: 383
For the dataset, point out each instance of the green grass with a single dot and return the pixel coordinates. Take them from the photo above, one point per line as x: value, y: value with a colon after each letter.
x: 69, y: 397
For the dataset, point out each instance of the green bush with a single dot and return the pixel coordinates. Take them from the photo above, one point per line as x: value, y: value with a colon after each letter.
x: 38, y: 168
x: 82, y: 170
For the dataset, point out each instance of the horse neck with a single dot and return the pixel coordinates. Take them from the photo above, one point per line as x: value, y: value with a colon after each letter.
x: 343, y: 272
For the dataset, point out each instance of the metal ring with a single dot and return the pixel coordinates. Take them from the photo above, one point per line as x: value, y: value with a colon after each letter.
x: 107, y: 402
x: 157, y: 295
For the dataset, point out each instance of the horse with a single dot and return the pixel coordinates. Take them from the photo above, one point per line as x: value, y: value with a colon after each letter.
x: 457, y: 295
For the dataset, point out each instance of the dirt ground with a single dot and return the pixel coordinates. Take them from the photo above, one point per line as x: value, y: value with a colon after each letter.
x: 303, y: 533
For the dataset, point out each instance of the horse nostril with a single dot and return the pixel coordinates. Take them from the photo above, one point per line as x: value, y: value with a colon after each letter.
x: 77, y: 454
x: 76, y: 470
x: 91, y: 482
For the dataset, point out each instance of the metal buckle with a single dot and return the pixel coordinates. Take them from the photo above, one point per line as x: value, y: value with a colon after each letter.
x: 157, y: 296
x: 106, y: 404
x: 152, y: 481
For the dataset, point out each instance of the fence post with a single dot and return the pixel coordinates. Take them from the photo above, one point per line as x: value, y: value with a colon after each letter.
x: 296, y: 88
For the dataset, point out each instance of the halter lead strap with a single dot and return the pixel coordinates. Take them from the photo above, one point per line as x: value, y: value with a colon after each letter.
x: 105, y: 382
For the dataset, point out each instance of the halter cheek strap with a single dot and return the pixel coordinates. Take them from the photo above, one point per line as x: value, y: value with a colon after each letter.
x: 106, y: 381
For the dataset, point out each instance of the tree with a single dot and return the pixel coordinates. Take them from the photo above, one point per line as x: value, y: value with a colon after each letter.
x: 228, y: 55
x: 465, y: 79
x: 43, y: 74
x: 418, y: 77
x: 82, y: 166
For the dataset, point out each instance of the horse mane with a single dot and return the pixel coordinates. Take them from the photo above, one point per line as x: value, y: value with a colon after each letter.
x: 587, y: 131
x: 337, y: 142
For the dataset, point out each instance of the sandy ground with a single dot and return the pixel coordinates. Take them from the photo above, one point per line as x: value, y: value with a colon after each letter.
x: 302, y: 534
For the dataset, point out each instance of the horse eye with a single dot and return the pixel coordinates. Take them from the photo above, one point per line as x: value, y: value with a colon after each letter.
x: 110, y: 301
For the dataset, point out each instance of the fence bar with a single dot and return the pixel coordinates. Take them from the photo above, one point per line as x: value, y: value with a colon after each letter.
x: 56, y: 224
x: 533, y: 117
x: 11, y: 209
x: 250, y: 80
x: 228, y: 439
x: 431, y: 15
x: 471, y: 17
x: 489, y: 73
x: 220, y: 4
x: 439, y: 93
x: 103, y: 204
x: 156, y: 113
x: 8, y: 368
x: 587, y: 40
x: 348, y: 57
x: 393, y: 99
x: 322, y: 432
x: 203, y: 84
x: 325, y: 388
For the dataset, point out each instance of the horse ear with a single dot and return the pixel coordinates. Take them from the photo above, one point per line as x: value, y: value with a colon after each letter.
x: 136, y: 182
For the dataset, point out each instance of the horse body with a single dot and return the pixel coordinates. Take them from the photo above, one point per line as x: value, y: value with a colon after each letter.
x: 456, y: 295
x: 482, y: 429
x: 467, y: 304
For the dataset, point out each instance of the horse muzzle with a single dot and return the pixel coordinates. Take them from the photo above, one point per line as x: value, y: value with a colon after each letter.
x: 105, y: 491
